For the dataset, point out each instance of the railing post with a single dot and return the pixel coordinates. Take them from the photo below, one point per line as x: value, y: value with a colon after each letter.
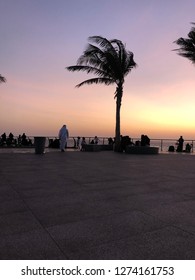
x: 161, y: 145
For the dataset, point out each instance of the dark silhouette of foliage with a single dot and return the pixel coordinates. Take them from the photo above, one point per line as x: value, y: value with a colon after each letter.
x: 187, y: 45
x: 111, y: 63
x: 2, y: 79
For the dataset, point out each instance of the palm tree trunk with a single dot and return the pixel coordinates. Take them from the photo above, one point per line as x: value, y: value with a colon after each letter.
x: 117, y: 147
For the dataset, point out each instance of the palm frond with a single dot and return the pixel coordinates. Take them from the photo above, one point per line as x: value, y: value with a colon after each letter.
x: 88, y: 69
x: 105, y: 81
x: 125, y: 58
x: 96, y: 57
x: 91, y: 52
x: 187, y: 46
x: 91, y: 49
x: 2, y: 79
x: 129, y: 63
x: 103, y: 42
x: 107, y: 59
x: 93, y: 58
x: 120, y: 48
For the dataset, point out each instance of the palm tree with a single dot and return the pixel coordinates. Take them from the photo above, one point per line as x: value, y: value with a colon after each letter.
x: 187, y: 46
x: 111, y: 63
x: 2, y: 79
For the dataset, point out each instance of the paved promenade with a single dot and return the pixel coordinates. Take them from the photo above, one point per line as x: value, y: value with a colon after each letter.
x: 98, y: 205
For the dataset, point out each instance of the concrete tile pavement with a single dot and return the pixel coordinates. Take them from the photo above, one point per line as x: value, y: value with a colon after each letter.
x: 82, y: 205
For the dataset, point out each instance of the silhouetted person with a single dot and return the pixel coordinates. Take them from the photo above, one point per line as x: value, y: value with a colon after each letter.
x: 171, y: 148
x: 3, y: 138
x: 83, y: 143
x: 10, y: 139
x: 188, y: 148
x: 138, y: 143
x: 110, y: 141
x: 19, y: 140
x: 96, y: 140
x: 125, y: 141
x: 75, y: 143
x: 145, y: 140
x: 78, y: 142
x: 29, y: 142
x: 63, y: 136
x: 24, y: 140
x: 180, y: 144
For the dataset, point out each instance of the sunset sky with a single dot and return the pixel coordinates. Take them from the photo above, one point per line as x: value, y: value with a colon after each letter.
x: 39, y: 38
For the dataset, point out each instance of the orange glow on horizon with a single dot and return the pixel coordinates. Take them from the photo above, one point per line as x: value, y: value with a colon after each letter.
x: 90, y: 111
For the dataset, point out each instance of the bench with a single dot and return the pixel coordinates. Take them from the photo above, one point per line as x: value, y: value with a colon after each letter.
x: 106, y: 147
x: 142, y: 150
x: 91, y: 148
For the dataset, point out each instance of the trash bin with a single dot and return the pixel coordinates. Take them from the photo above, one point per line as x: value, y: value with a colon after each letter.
x: 39, y: 143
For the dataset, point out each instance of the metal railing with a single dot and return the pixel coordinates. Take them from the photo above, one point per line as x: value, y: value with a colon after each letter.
x: 162, y: 143
x: 165, y: 143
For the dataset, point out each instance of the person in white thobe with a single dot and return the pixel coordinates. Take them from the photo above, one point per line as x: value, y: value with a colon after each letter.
x: 63, y: 136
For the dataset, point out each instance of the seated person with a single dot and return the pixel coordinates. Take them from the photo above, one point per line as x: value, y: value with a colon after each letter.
x: 145, y: 140
x: 110, y: 141
x: 188, y: 148
x: 96, y: 140
x: 171, y: 149
x: 125, y: 141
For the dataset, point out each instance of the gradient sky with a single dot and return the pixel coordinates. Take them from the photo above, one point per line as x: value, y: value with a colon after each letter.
x: 39, y: 38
